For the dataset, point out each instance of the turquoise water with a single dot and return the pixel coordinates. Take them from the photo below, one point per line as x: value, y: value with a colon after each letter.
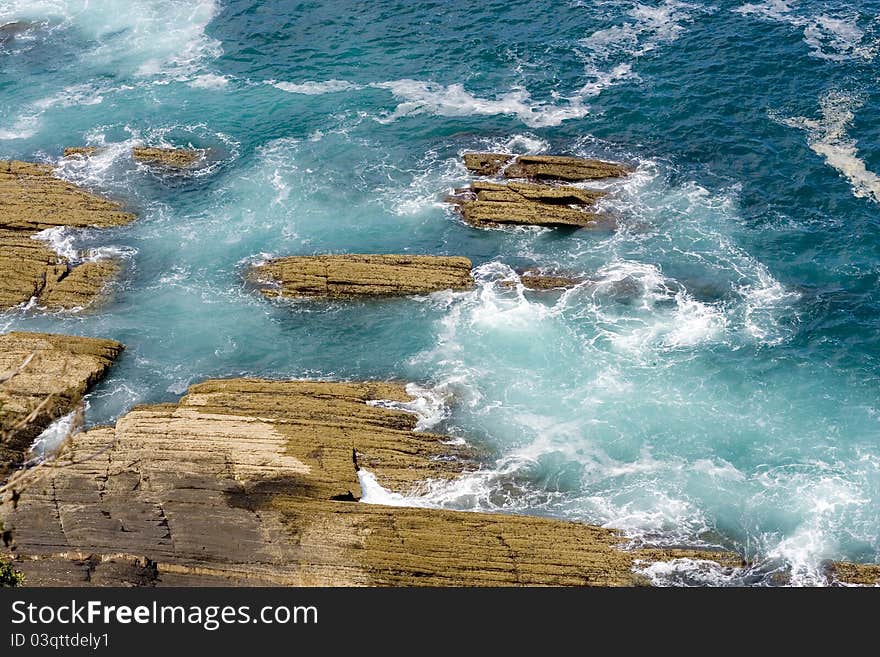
x: 716, y: 381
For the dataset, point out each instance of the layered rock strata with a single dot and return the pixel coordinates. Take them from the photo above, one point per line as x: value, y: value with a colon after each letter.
x: 543, y: 167
x: 250, y: 482
x: 169, y: 158
x: 42, y: 377
x: 341, y: 276
x: 548, y: 203
x: 32, y: 200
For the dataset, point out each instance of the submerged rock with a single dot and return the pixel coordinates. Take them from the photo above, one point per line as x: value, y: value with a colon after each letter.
x: 169, y: 158
x: 543, y: 167
x: 488, y: 204
x: 335, y: 276
x: 32, y: 199
x: 255, y: 483
x: 42, y: 377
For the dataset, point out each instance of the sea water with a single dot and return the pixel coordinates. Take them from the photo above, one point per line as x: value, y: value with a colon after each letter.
x: 713, y: 382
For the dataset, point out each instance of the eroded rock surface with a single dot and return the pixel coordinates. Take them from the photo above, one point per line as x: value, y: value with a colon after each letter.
x: 854, y: 573
x: 32, y: 199
x: 250, y: 482
x: 543, y: 167
x: 490, y: 204
x: 169, y: 158
x: 42, y: 377
x: 335, y: 276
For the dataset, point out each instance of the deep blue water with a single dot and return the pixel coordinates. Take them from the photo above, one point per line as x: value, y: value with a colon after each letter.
x: 717, y: 381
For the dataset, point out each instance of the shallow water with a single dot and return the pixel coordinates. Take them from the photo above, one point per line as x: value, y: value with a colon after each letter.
x: 715, y: 380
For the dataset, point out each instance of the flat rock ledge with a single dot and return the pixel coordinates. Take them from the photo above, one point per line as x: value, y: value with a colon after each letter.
x: 252, y: 482
x: 855, y: 573
x: 43, y: 377
x: 167, y: 158
x: 32, y: 199
x: 536, y: 279
x: 347, y: 276
x: 549, y: 202
x: 543, y: 167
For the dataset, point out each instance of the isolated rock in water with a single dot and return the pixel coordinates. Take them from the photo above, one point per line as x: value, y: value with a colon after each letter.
x: 45, y: 376
x: 543, y: 167
x: 84, y: 151
x: 337, y: 276
x: 169, y: 158
x: 255, y: 482
x: 172, y: 158
x: 488, y: 204
x: 534, y: 279
x: 33, y: 199
x: 9, y: 31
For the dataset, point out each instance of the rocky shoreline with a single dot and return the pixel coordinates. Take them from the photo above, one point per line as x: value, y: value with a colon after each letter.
x: 247, y: 482
x: 33, y: 200
x: 258, y: 482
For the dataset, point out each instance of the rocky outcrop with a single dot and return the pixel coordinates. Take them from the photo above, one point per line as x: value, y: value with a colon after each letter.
x: 251, y: 482
x: 550, y: 203
x: 542, y: 167
x: 489, y: 204
x: 32, y: 199
x: 854, y: 573
x: 339, y: 276
x: 535, y: 279
x: 43, y: 377
x: 167, y: 158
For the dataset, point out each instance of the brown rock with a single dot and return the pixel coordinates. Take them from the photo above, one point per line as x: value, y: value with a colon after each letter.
x: 337, y: 276
x: 45, y: 376
x: 249, y: 482
x: 486, y: 164
x: 536, y: 280
x: 543, y: 167
x: 855, y: 573
x: 171, y: 158
x: 489, y: 204
x: 168, y: 158
x: 32, y: 199
x: 83, y: 151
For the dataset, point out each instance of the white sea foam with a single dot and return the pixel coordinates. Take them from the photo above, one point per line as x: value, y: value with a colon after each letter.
x: 419, y: 97
x: 610, y: 53
x: 51, y: 438
x: 313, y: 88
x: 428, y: 404
x: 143, y: 37
x: 828, y: 137
x: 689, y: 572
x: 61, y: 240
x: 832, y: 37
x: 210, y: 81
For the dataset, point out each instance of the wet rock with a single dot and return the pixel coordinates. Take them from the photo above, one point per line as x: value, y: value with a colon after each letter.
x: 543, y: 167
x: 254, y: 482
x: 487, y: 204
x: 854, y: 573
x: 33, y: 199
x: 83, y: 151
x: 335, y: 276
x: 42, y: 377
x: 167, y: 158
x: 171, y: 158
x: 486, y: 164
x: 534, y: 279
